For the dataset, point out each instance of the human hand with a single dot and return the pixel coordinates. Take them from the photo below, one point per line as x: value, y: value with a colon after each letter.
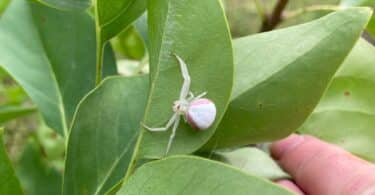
x: 319, y: 168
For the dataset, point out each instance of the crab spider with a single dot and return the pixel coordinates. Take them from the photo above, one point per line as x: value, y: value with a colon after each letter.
x: 197, y: 111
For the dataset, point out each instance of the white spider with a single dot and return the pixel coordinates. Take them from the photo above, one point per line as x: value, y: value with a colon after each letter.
x: 198, y: 112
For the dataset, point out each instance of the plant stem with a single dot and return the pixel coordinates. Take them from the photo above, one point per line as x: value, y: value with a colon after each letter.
x: 99, y: 48
x: 99, y: 59
x: 270, y: 22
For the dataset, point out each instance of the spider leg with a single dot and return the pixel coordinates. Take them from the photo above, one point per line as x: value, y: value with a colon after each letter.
x: 185, y: 74
x: 166, y: 127
x: 200, y: 95
x: 191, y: 95
x: 192, y: 98
x: 171, y: 137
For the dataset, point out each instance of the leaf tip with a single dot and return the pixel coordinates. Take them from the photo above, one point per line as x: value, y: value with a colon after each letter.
x: 362, y: 12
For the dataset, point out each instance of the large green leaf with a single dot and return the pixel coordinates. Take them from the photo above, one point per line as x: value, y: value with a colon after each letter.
x: 9, y: 183
x: 37, y: 176
x: 103, y: 135
x: 191, y: 175
x: 253, y: 161
x: 68, y: 4
x: 12, y: 112
x: 346, y: 114
x: 208, y: 53
x: 281, y: 75
x: 54, y: 61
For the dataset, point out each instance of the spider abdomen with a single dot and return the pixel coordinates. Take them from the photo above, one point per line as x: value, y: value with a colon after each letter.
x: 201, y: 113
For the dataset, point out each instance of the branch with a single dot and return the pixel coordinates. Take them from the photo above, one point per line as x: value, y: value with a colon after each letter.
x: 270, y: 22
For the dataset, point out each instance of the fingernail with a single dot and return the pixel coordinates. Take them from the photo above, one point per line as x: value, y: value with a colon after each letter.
x: 279, y: 148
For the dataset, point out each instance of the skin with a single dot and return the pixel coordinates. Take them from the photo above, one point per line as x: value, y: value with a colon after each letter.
x: 319, y: 168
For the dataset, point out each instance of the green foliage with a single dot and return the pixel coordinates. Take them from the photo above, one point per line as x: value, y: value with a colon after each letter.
x: 192, y: 175
x: 265, y: 87
x: 112, y: 17
x: 9, y: 183
x: 357, y: 3
x: 208, y: 55
x: 368, y: 3
x: 346, y: 114
x: 103, y: 135
x: 59, y: 47
x: 68, y: 4
x: 297, y: 78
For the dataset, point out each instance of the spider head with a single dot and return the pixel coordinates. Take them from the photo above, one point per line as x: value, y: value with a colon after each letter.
x: 180, y: 107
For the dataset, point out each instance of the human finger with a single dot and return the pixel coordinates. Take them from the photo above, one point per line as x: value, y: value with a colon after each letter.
x: 322, y: 168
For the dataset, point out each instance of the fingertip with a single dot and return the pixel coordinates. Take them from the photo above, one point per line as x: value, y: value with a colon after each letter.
x: 279, y: 148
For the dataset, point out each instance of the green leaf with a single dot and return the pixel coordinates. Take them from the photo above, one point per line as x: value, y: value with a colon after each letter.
x: 54, y: 61
x: 348, y: 3
x: 369, y: 3
x: 68, y: 4
x: 113, y: 16
x: 129, y: 43
x: 103, y: 135
x: 192, y: 175
x: 207, y: 52
x: 9, y: 183
x: 36, y: 175
x: 253, y: 161
x: 346, y: 114
x: 11, y: 112
x: 281, y: 75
